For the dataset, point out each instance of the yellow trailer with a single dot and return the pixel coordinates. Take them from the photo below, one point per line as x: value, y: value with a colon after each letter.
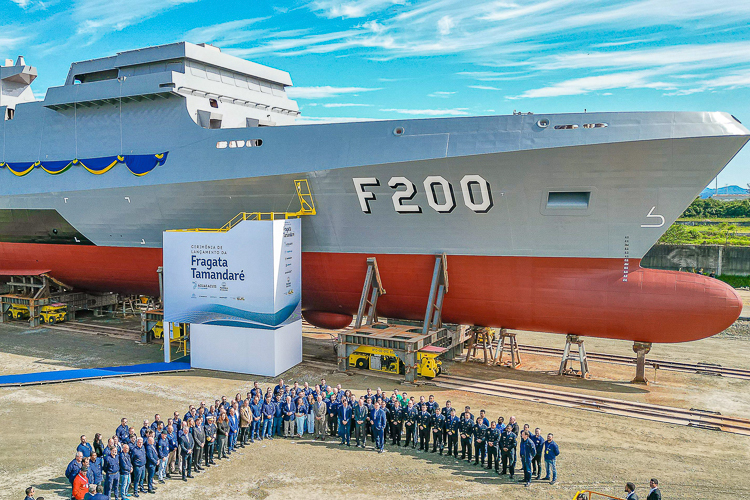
x: 385, y: 360
x: 53, y: 313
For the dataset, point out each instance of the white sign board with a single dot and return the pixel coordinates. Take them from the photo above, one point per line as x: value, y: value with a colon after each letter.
x: 246, y: 281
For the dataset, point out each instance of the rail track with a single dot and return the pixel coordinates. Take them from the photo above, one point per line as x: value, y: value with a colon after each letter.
x: 702, y: 419
x: 700, y: 368
x: 110, y: 331
x: 693, y: 417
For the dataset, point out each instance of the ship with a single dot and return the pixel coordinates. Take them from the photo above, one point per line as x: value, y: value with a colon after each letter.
x: 543, y: 218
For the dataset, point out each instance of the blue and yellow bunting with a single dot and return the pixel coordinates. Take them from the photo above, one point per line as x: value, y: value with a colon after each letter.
x: 139, y: 165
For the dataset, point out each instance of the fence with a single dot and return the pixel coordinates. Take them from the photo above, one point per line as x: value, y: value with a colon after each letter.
x: 719, y: 259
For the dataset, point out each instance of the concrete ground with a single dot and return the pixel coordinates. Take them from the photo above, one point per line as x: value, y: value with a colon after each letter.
x: 42, y: 425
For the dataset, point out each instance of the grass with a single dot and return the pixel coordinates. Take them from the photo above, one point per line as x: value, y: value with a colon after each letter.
x: 735, y: 281
x: 723, y: 234
x: 714, y: 219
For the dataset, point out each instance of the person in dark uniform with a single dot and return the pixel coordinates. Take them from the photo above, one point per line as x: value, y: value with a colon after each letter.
x: 466, y: 427
x: 186, y: 450
x: 333, y: 415
x: 536, y: 462
x: 437, y: 424
x: 480, y: 443
x: 209, y: 430
x: 424, y: 429
x: 410, y: 420
x: 397, y: 423
x: 630, y: 491
x: 452, y: 429
x: 493, y: 436
x: 527, y: 450
x: 152, y: 461
x: 508, y: 451
x: 446, y: 412
x: 655, y: 492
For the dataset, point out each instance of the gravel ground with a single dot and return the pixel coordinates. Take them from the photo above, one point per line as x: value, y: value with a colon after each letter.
x: 42, y: 424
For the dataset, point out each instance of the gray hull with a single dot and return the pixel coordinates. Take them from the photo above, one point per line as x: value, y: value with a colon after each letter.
x: 641, y: 171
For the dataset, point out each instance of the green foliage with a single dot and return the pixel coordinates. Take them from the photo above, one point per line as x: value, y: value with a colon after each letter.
x: 722, y: 234
x: 735, y: 281
x: 713, y: 209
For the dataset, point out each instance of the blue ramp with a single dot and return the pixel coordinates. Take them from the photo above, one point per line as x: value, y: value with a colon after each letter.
x: 59, y: 376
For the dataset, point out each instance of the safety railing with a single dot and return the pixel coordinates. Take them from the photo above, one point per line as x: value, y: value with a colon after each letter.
x: 307, y: 207
x: 593, y: 495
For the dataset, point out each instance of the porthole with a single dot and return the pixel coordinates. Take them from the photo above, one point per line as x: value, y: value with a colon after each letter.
x: 253, y: 143
x: 566, y: 127
x: 398, y: 131
x: 240, y: 144
x: 221, y: 145
x: 232, y: 144
x: 543, y: 123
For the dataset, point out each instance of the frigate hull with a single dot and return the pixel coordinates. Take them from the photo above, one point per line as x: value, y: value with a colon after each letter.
x: 544, y: 218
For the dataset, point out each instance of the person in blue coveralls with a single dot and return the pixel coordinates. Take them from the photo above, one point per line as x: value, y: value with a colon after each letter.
x: 379, y: 422
x: 111, y: 469
x: 536, y: 462
x: 94, y: 473
x: 278, y: 416
x: 126, y: 468
x: 123, y: 431
x: 255, y: 414
x: 162, y: 449
x: 138, y: 459
x: 345, y: 417
x: 84, y: 447
x: 527, y: 450
x: 551, y: 451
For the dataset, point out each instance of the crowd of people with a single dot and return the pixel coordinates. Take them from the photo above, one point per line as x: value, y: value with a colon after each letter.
x: 135, y: 459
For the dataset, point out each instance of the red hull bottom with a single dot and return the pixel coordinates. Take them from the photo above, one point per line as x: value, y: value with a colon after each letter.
x: 580, y: 296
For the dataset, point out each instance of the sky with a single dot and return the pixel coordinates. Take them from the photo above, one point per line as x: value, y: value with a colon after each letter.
x: 385, y: 59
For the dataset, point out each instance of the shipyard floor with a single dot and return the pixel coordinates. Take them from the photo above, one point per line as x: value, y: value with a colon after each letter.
x: 42, y: 425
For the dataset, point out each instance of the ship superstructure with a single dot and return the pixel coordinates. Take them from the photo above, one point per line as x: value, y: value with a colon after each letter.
x: 544, y: 218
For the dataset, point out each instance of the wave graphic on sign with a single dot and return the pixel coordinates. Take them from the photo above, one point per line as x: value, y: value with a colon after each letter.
x: 217, y: 314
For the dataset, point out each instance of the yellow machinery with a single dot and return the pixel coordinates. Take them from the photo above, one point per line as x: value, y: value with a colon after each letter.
x: 385, y: 360
x: 179, y: 335
x: 53, y: 313
x: 18, y: 311
x: 158, y: 331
